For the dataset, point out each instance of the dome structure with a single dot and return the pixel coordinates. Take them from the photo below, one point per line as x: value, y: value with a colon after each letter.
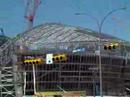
x: 78, y: 68
x: 55, y: 33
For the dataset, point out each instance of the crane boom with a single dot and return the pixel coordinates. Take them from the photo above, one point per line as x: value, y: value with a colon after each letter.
x: 30, y: 11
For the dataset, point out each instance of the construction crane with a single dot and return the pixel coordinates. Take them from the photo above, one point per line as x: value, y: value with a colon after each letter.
x: 2, y: 31
x: 30, y: 11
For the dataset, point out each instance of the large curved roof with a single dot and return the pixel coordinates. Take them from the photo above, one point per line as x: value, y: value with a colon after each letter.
x: 54, y: 32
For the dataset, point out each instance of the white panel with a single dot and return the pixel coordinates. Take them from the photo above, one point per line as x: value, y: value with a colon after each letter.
x: 49, y: 58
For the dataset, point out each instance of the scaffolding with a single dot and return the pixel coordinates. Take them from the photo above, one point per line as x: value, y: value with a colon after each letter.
x: 80, y: 72
x: 7, y: 85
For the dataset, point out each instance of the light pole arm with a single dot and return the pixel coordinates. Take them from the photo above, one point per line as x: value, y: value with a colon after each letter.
x: 108, y: 14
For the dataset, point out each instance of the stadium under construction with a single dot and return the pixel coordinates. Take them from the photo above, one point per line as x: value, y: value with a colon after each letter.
x: 55, y: 60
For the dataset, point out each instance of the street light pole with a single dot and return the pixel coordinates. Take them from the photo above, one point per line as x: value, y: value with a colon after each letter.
x: 100, y: 25
x: 100, y: 31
